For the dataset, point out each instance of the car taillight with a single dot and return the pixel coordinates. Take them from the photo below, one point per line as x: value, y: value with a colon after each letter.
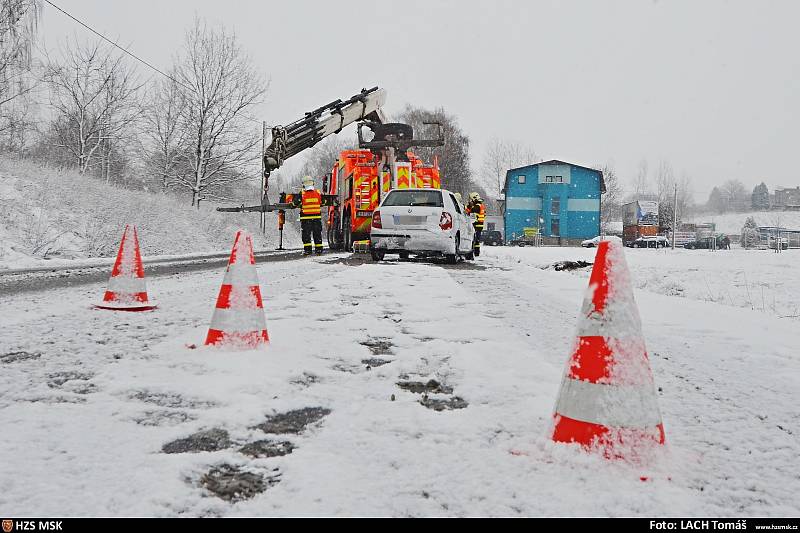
x: 446, y: 221
x: 376, y: 220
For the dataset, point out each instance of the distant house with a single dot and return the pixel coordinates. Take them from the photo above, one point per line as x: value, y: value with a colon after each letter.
x: 785, y: 198
x: 558, y: 200
x: 494, y: 223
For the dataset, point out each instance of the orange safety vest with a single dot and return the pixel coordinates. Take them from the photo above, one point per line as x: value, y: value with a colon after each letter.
x: 311, y: 205
x: 480, y: 214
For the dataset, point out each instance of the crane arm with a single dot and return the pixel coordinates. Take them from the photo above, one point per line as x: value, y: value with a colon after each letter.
x: 292, y: 139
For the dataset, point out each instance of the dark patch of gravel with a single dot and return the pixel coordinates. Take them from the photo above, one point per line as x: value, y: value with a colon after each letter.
x: 418, y: 387
x: 293, y: 421
x: 163, y: 399
x: 14, y: 357
x: 232, y: 484
x: 373, y: 362
x: 378, y: 346
x: 211, y: 440
x: 444, y: 405
x: 570, y: 265
x: 267, y: 448
x: 58, y: 379
x: 163, y: 418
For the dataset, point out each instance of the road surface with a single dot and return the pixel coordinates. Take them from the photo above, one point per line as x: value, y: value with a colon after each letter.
x: 400, y: 389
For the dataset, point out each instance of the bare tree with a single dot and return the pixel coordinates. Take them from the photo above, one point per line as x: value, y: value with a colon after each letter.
x: 501, y: 156
x: 163, y: 133
x: 19, y: 20
x: 92, y: 94
x: 453, y: 157
x: 668, y: 186
x: 612, y: 198
x: 641, y: 185
x: 219, y: 84
x: 18, y: 123
x: 736, y: 196
x: 319, y: 159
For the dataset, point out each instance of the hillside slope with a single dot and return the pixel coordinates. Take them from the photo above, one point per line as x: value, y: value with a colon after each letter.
x: 50, y: 214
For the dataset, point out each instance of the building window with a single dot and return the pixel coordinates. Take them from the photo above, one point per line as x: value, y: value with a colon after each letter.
x: 554, y: 179
x: 521, y: 179
x: 555, y: 206
x: 554, y: 227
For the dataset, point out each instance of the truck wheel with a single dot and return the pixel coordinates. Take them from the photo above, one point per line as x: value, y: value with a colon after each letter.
x: 403, y: 255
x: 377, y: 255
x: 347, y: 236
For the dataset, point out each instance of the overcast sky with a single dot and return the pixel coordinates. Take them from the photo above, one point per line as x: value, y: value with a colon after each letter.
x: 711, y: 86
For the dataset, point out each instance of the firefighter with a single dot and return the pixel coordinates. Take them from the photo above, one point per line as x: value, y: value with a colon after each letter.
x: 310, y: 216
x: 476, y: 207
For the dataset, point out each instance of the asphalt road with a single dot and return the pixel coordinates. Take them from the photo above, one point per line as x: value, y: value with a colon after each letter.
x: 38, y: 279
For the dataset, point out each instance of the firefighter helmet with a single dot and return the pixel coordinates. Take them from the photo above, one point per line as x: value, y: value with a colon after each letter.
x: 308, y: 183
x: 475, y: 197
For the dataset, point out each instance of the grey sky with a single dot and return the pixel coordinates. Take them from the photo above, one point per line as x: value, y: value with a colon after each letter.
x: 711, y: 86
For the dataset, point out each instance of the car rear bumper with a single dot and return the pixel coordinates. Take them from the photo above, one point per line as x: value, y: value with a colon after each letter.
x: 395, y: 240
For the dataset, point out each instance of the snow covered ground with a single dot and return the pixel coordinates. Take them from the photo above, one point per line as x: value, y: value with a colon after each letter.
x: 732, y: 223
x: 50, y: 217
x: 759, y: 280
x: 89, y: 398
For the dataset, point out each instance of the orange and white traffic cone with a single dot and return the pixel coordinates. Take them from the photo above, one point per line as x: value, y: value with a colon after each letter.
x: 238, y: 320
x: 127, y: 290
x: 608, y: 400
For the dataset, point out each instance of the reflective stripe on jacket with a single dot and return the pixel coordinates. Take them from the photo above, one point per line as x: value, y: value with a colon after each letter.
x: 479, y: 210
x: 311, y: 205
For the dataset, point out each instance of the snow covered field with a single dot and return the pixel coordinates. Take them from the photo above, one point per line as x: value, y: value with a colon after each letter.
x: 89, y: 398
x: 732, y: 223
x: 759, y: 280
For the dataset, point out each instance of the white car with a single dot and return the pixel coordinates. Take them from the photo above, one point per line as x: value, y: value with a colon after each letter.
x: 591, y: 243
x: 425, y: 222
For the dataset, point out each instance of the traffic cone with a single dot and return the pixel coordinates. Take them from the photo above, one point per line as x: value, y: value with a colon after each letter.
x: 127, y: 290
x: 238, y: 320
x: 607, y: 400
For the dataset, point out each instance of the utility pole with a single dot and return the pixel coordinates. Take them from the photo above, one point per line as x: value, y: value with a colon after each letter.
x: 263, y: 177
x: 674, y: 214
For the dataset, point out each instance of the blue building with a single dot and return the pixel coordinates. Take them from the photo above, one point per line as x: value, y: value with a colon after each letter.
x: 560, y: 201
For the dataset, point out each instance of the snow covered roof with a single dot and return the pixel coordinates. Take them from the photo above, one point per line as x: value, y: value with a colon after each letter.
x: 559, y: 162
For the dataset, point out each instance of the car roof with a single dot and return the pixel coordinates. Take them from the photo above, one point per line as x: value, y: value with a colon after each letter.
x: 416, y: 189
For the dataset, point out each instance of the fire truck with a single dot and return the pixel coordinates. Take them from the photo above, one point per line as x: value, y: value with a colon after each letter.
x: 359, y: 178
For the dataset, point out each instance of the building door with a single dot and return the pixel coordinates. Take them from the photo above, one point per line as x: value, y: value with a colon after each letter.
x: 554, y: 228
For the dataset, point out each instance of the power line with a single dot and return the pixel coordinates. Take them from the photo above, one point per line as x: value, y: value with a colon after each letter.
x: 137, y: 58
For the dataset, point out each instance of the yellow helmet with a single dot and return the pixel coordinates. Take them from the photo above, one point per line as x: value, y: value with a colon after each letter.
x: 475, y: 197
x: 308, y: 182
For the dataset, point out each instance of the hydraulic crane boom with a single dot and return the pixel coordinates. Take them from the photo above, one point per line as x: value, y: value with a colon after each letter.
x: 315, y: 126
x: 320, y: 123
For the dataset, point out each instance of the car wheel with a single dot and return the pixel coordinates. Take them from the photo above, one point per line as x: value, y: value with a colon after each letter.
x: 452, y: 259
x: 403, y: 255
x: 377, y: 255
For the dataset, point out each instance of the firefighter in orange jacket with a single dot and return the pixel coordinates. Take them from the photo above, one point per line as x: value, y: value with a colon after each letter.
x: 310, y: 201
x: 476, y: 207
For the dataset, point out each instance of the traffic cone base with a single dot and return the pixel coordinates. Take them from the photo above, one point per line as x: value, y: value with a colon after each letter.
x: 127, y: 289
x: 238, y: 321
x: 607, y: 400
